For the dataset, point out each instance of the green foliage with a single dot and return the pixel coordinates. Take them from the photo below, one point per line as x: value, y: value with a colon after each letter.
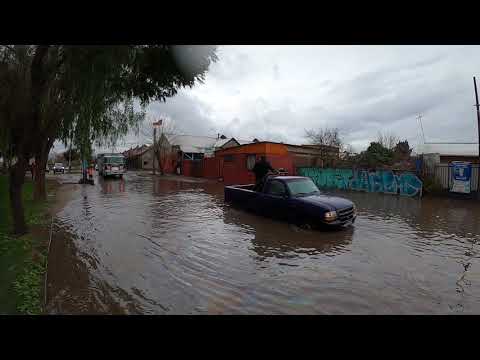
x: 20, y: 274
x: 402, y: 150
x: 431, y: 185
x: 87, y: 92
x: 107, y: 79
x: 74, y: 155
x: 376, y: 155
x: 83, y: 94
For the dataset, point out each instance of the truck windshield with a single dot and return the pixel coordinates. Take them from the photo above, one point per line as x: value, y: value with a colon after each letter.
x: 302, y: 187
x: 114, y: 160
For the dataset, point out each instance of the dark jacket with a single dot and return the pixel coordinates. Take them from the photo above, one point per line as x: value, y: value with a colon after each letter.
x: 261, y: 169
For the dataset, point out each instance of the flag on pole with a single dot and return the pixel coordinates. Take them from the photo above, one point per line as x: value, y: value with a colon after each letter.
x: 158, y: 123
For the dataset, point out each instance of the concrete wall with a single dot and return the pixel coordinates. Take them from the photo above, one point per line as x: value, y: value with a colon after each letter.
x: 385, y: 181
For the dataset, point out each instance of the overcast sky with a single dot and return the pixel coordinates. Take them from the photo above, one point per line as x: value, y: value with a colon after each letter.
x: 276, y: 92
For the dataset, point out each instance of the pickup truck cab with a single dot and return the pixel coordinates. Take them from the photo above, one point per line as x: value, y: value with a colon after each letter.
x: 295, y: 199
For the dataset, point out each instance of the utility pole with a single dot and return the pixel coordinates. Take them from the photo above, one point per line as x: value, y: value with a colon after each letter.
x: 155, y: 125
x: 478, y: 121
x: 70, y: 158
x: 154, y: 148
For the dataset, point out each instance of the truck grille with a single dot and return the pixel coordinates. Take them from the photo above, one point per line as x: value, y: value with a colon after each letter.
x: 346, y: 214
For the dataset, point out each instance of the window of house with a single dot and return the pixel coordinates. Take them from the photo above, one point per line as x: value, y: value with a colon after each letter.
x: 276, y: 188
x: 251, y: 160
x: 187, y: 156
x: 228, y: 158
x: 193, y: 156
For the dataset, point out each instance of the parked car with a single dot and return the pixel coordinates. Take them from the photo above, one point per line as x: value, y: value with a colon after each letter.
x: 58, y: 168
x: 295, y: 199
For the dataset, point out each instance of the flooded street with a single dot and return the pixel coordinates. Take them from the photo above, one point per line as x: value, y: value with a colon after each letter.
x: 169, y: 246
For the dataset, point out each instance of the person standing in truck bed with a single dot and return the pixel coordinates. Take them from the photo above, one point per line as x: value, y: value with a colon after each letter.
x: 260, y: 170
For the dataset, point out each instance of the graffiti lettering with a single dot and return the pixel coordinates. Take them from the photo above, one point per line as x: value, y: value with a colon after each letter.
x: 385, y: 181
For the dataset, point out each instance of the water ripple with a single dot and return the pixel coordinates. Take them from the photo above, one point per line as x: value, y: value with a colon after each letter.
x: 168, y: 246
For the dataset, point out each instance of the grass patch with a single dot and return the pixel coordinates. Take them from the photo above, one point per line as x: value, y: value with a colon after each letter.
x: 22, y: 259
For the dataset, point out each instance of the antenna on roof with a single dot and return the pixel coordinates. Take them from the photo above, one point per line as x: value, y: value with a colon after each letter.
x: 419, y: 117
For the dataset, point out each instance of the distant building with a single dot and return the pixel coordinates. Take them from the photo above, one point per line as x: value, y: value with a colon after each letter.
x: 135, y: 157
x: 452, y: 152
x: 235, y: 164
x: 436, y: 163
x: 185, y: 152
x: 230, y: 159
x: 310, y: 155
x: 447, y: 158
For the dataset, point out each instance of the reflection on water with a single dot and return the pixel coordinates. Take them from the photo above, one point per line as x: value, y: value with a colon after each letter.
x: 173, y: 246
x: 112, y: 185
x: 269, y: 237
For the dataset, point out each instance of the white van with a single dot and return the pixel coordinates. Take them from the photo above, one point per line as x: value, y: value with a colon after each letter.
x: 111, y: 165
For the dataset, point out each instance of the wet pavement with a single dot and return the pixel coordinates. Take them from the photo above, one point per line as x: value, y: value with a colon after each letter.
x: 145, y: 245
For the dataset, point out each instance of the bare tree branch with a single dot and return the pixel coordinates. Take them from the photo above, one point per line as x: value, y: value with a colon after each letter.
x: 163, y: 148
x: 328, y: 141
x: 387, y: 140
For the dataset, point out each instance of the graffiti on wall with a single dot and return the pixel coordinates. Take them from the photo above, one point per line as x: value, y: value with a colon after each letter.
x: 385, y: 181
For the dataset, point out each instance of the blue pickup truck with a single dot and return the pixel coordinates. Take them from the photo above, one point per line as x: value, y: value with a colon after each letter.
x: 295, y: 199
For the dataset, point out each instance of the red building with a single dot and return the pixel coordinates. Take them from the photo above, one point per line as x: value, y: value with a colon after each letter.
x: 229, y: 160
x: 235, y: 164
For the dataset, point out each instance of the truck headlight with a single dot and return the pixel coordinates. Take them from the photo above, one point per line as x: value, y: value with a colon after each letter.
x: 330, y: 215
x: 354, y: 209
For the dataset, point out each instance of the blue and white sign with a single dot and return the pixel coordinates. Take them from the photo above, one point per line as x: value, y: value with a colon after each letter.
x: 462, y: 173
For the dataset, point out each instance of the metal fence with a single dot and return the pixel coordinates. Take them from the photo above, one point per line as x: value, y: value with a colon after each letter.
x: 444, y: 175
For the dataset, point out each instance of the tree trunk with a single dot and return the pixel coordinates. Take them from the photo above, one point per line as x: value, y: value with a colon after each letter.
x: 17, y: 179
x: 39, y: 190
x: 41, y: 158
x: 161, y: 164
x: 161, y: 167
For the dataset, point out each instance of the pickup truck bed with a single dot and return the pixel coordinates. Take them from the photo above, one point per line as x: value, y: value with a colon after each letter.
x: 242, y: 195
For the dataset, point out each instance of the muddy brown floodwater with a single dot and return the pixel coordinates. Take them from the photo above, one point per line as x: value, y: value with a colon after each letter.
x: 139, y: 246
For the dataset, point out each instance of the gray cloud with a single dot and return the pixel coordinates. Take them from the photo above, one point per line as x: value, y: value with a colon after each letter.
x: 276, y: 72
x: 276, y: 92
x: 190, y: 116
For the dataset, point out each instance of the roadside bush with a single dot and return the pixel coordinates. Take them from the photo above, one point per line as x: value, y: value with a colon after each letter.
x: 431, y: 185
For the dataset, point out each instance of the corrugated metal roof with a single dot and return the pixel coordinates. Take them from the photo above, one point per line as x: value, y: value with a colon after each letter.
x: 221, y: 142
x: 200, y: 144
x: 192, y: 143
x: 449, y: 149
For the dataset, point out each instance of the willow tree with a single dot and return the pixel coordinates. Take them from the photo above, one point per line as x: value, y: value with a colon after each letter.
x: 84, y: 93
